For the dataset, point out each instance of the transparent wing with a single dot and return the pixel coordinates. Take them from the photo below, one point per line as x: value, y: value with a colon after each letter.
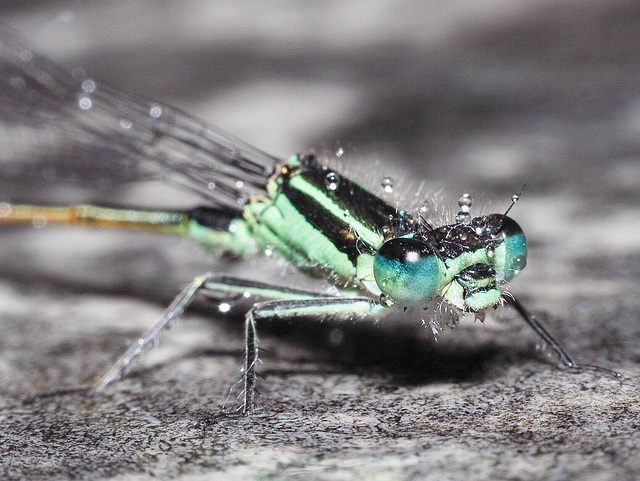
x: 56, y: 126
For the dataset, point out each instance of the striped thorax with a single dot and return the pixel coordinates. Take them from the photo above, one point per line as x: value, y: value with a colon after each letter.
x: 328, y: 225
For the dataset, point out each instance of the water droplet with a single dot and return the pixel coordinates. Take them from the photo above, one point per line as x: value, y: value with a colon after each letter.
x: 17, y: 83
x: 88, y: 86
x: 85, y: 102
x: 268, y: 250
x: 26, y: 55
x: 155, y: 111
x: 5, y: 209
x: 465, y: 202
x: 463, y: 217
x: 211, y: 185
x: 387, y: 184
x: 515, y: 198
x: 385, y: 300
x: 331, y: 181
x: 39, y: 222
x: 49, y: 174
x: 336, y: 336
x: 340, y: 152
x: 246, y: 294
x: 239, y: 184
x: 224, y: 307
x: 125, y: 124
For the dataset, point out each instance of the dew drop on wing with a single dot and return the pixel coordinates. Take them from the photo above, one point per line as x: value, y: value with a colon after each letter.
x: 88, y: 86
x: 5, y: 209
x: 85, y: 103
x: 155, y: 111
x: 17, y: 83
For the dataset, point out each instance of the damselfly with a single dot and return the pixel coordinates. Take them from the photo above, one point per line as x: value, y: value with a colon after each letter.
x: 320, y: 221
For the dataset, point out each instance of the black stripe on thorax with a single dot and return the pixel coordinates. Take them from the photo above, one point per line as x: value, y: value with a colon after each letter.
x: 362, y: 205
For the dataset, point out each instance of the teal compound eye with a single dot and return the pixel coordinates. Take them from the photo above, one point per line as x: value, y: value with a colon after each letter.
x: 511, y: 255
x: 408, y: 271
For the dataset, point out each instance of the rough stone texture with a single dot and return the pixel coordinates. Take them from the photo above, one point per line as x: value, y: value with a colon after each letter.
x: 470, y: 97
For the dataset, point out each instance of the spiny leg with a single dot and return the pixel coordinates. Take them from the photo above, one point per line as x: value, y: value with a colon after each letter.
x: 177, y: 307
x: 207, y: 285
x: 336, y: 307
x: 548, y: 339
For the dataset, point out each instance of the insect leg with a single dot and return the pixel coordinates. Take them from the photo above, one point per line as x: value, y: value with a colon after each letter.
x: 335, y: 307
x: 177, y: 307
x: 206, y: 284
x: 548, y: 339
x: 285, y: 303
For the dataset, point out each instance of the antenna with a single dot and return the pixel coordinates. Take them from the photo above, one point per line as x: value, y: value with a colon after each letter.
x: 515, y: 198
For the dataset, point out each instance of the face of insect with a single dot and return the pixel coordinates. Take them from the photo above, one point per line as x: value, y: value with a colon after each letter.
x: 466, y: 263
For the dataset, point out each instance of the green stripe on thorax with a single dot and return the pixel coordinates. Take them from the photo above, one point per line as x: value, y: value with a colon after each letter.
x: 363, y: 232
x: 277, y: 225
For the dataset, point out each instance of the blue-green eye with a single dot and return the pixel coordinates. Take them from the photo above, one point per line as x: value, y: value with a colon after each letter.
x: 511, y: 256
x: 408, y: 271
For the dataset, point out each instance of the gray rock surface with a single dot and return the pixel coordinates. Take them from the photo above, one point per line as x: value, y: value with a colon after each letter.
x: 469, y: 96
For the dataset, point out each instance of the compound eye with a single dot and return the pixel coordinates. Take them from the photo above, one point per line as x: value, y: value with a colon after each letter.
x: 408, y: 271
x: 513, y: 258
